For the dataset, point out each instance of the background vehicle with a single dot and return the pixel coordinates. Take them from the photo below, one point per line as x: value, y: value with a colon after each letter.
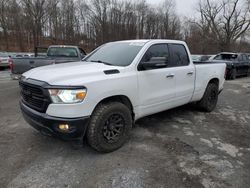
x: 4, y: 60
x: 200, y: 58
x: 119, y: 83
x: 55, y: 54
x: 238, y: 64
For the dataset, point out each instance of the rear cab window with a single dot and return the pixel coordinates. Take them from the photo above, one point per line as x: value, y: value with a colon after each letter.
x: 227, y: 57
x: 62, y: 52
x: 244, y: 57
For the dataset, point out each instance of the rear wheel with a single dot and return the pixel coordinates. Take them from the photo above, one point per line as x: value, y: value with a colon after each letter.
x: 248, y: 73
x: 209, y: 99
x: 109, y: 126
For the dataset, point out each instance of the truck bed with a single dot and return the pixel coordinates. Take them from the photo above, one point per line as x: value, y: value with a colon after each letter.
x: 21, y: 65
x: 55, y: 54
x: 207, y: 62
x: 205, y: 71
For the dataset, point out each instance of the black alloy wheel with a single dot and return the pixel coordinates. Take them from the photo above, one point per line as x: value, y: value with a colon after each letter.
x: 113, y: 128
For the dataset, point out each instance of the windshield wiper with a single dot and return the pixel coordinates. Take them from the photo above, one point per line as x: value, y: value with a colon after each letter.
x: 99, y: 61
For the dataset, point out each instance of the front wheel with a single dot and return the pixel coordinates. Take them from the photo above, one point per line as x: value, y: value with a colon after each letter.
x: 210, y: 98
x: 109, y: 126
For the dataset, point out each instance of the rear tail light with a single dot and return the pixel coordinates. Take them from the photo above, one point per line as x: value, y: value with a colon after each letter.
x: 225, y: 75
x: 10, y: 61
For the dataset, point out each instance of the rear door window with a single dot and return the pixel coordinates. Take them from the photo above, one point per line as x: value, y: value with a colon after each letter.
x: 179, y: 55
x: 244, y: 57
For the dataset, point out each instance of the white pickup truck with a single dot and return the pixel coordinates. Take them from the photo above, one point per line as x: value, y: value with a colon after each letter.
x: 118, y: 83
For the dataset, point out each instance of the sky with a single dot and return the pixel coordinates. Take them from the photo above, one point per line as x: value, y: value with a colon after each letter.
x: 184, y: 7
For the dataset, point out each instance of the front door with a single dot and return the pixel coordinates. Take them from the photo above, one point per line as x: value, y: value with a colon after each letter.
x: 156, y: 85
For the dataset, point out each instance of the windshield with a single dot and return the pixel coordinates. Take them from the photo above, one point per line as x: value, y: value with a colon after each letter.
x: 3, y: 55
x: 196, y: 57
x: 228, y: 57
x: 116, y: 53
x: 62, y: 52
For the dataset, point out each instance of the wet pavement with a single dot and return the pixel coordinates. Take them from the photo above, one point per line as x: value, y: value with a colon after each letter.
x: 177, y: 148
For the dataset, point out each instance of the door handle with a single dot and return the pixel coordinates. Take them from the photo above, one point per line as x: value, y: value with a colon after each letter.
x: 170, y: 76
x: 190, y: 73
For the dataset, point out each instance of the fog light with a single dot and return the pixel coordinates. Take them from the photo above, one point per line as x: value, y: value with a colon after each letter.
x: 64, y: 127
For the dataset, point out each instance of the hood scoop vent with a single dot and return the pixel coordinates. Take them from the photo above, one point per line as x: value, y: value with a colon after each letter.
x: 113, y: 71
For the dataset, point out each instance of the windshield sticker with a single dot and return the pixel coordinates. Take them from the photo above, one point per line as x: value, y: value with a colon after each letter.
x: 137, y: 43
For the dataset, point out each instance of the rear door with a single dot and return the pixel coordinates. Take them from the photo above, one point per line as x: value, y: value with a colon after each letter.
x: 245, y: 64
x: 156, y: 86
x: 184, y: 73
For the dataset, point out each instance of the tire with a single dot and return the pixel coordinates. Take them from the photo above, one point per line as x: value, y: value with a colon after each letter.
x: 248, y: 73
x: 210, y: 98
x: 233, y: 74
x: 109, y: 127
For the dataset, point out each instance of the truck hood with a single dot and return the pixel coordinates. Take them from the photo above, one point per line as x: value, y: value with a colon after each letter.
x: 69, y: 73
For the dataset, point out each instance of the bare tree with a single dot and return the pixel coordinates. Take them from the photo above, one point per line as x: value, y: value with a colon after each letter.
x: 228, y: 20
x: 4, y: 7
x: 35, y: 16
x: 28, y: 23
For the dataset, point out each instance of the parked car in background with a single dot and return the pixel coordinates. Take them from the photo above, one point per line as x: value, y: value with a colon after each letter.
x: 238, y: 64
x: 117, y: 84
x: 25, y: 55
x: 55, y: 54
x: 212, y: 57
x: 248, y: 56
x: 200, y: 58
x: 4, y: 60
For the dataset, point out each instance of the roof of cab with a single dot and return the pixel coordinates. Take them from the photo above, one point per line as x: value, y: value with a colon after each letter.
x: 63, y: 46
x: 153, y: 41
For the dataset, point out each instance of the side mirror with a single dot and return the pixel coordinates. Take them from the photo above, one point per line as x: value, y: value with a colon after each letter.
x: 82, y: 56
x: 155, y: 63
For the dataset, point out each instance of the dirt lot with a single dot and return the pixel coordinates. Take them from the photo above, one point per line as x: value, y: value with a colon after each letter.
x: 177, y: 148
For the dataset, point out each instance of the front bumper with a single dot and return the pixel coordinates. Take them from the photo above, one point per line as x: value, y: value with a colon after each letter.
x: 49, y: 125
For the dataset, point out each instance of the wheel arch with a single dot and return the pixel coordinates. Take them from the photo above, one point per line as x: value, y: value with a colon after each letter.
x: 214, y: 81
x: 119, y: 98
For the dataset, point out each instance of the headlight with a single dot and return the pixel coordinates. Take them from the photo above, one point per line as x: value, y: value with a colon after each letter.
x: 67, y: 95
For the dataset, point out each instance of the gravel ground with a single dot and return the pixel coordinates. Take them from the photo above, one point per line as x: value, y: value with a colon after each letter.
x: 178, y: 148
